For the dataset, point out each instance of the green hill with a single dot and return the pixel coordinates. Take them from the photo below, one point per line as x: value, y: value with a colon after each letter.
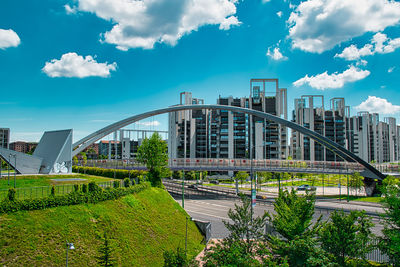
x: 141, y: 227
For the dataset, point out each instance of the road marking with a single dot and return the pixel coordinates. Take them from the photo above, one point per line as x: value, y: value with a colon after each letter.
x: 210, y: 215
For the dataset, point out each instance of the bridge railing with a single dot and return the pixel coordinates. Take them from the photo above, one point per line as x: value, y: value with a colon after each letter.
x: 245, y: 164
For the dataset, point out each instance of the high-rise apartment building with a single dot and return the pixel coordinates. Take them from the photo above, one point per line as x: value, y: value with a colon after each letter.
x: 227, y: 134
x: 310, y: 113
x: 4, y: 137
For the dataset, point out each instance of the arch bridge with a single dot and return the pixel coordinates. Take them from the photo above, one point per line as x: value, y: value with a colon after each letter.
x: 369, y: 172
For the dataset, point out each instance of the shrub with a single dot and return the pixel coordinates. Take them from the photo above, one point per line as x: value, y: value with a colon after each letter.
x: 93, y: 187
x: 119, y: 174
x: 53, y: 191
x: 116, y: 184
x: 73, y: 198
x: 76, y: 187
x: 126, y: 182
x: 84, y: 188
x: 11, y: 194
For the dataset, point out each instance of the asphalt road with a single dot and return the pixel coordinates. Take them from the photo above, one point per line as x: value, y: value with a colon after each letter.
x: 216, y: 210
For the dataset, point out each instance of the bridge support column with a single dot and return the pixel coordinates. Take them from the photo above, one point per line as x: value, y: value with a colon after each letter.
x: 370, y: 186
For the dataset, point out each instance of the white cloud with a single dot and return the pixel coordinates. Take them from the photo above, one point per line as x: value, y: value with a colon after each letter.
x: 380, y: 43
x: 69, y: 9
x: 279, y: 14
x: 319, y: 25
x: 144, y: 23
x: 73, y: 65
x: 275, y: 54
x: 391, y: 69
x: 8, y: 38
x: 378, y: 105
x: 265, y: 1
x: 335, y: 80
x: 148, y: 123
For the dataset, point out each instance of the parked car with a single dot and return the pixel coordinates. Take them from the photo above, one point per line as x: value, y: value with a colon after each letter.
x: 214, y: 182
x: 306, y: 187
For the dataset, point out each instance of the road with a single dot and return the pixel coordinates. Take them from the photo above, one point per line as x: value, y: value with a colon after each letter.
x: 216, y: 210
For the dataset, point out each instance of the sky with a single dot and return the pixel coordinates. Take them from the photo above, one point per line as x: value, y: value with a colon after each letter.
x: 83, y: 64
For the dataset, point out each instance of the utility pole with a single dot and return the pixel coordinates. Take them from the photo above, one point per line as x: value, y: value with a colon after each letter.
x: 183, y: 189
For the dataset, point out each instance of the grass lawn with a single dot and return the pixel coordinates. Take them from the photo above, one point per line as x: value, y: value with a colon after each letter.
x: 24, y: 181
x: 141, y: 227
x: 358, y: 198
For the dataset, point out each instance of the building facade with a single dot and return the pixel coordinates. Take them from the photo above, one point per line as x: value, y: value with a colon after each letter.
x: 24, y: 147
x: 227, y: 134
x: 4, y: 137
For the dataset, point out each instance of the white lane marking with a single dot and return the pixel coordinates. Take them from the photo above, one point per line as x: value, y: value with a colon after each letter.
x: 208, y: 203
x: 206, y: 214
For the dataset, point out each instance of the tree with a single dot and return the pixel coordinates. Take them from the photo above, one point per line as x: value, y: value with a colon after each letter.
x: 346, y: 235
x: 356, y: 182
x: 75, y: 160
x: 243, y: 246
x: 175, y: 259
x: 177, y: 174
x: 390, y: 241
x: 105, y: 258
x: 295, y: 236
x: 190, y: 175
x: 153, y: 153
x: 84, y: 158
x: 241, y: 176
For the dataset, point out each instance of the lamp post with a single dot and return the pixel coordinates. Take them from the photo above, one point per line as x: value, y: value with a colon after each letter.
x: 15, y: 169
x: 68, y: 247
x: 183, y: 189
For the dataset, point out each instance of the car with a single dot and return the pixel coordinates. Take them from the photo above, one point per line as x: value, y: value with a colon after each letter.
x: 306, y: 187
x: 214, y: 182
x: 193, y: 186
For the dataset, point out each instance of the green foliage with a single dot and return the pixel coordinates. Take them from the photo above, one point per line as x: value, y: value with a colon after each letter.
x: 295, y: 234
x: 11, y: 194
x: 346, y: 235
x: 84, y: 158
x: 75, y: 160
x: 119, y: 174
x: 73, y: 198
x: 176, y: 258
x: 356, y: 182
x: 390, y: 241
x: 241, y: 176
x: 84, y: 188
x: 177, y: 174
x: 76, y: 187
x: 153, y: 153
x: 53, y: 191
x: 93, y: 187
x: 116, y: 184
x: 242, y: 246
x: 190, y: 175
x: 106, y: 250
x: 127, y: 182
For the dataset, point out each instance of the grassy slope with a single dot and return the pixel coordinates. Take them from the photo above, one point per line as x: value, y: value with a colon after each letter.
x: 141, y: 226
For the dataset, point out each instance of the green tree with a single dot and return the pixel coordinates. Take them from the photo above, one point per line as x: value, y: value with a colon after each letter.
x: 177, y: 175
x: 190, y: 175
x: 356, y: 182
x: 390, y: 241
x: 241, y: 176
x: 243, y: 246
x: 346, y: 235
x: 175, y: 259
x: 84, y: 158
x: 153, y: 153
x: 75, y: 160
x: 294, y: 234
x: 105, y: 258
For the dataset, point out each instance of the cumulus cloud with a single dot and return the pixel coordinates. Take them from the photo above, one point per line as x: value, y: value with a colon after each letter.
x: 73, y: 65
x: 378, y: 105
x: 335, y: 80
x: 318, y: 25
x: 380, y: 43
x: 275, y: 54
x: 69, y: 9
x: 144, y: 23
x: 279, y: 14
x: 8, y: 38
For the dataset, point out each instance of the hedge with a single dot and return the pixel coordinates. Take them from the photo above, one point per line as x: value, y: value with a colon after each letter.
x: 78, y: 197
x: 119, y: 174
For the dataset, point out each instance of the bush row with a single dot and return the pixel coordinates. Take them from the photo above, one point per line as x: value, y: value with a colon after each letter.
x: 91, y: 193
x: 111, y: 173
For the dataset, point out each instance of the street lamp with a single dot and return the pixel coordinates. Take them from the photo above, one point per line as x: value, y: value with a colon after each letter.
x: 68, y: 247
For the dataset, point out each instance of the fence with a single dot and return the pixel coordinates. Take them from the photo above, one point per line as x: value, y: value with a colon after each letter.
x: 45, y: 191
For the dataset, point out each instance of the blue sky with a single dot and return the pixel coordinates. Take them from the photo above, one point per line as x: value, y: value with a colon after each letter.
x: 83, y: 64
